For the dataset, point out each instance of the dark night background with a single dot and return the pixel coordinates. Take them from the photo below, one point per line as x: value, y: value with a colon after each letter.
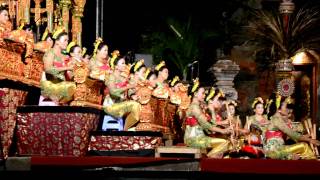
x: 125, y: 23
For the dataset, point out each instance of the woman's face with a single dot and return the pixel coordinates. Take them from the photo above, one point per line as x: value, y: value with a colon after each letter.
x: 50, y: 41
x: 201, y: 94
x: 121, y: 65
x: 141, y: 72
x: 103, y: 52
x: 284, y: 110
x: 76, y: 52
x: 4, y: 16
x: 232, y: 110
x: 153, y: 80
x: 259, y: 109
x: 164, y: 73
x: 63, y: 41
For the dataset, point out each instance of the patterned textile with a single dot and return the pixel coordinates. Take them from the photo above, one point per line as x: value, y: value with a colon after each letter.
x: 56, y: 134
x: 112, y: 143
x: 10, y: 99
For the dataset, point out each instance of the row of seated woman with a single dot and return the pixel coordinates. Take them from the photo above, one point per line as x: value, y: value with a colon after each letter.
x: 141, y: 95
x: 211, y: 124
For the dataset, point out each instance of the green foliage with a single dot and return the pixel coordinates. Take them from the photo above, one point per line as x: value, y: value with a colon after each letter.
x: 178, y: 41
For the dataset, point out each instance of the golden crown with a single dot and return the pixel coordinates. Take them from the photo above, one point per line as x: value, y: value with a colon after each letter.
x: 174, y: 80
x: 147, y: 73
x: 289, y: 100
x: 114, y: 54
x: 211, y: 94
x: 138, y: 65
x: 220, y: 94
x: 160, y: 65
x: 195, y: 85
x: 22, y: 25
x: 45, y: 35
x: 256, y: 100
x: 232, y: 103
x: 70, y: 45
x: 96, y: 45
x: 84, y: 51
x: 58, y: 31
x: 278, y: 100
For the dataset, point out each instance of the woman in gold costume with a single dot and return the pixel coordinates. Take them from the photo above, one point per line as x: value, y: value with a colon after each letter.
x: 256, y: 125
x: 5, y: 24
x: 137, y: 77
x: 161, y: 94
x: 76, y: 57
x: 198, y: 123
x: 55, y: 86
x: 259, y: 119
x: 143, y: 94
x: 275, y: 147
x: 177, y: 106
x: 118, y: 85
x: 99, y: 63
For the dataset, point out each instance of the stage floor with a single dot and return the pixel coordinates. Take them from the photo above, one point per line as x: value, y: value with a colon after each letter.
x: 164, y: 167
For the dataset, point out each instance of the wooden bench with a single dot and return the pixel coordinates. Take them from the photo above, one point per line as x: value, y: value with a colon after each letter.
x: 178, y: 150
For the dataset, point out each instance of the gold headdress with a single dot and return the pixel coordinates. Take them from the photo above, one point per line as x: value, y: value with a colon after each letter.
x: 22, y: 25
x: 70, y: 45
x: 232, y: 103
x: 256, y: 100
x: 220, y: 94
x: 45, y: 35
x: 84, y: 51
x: 138, y: 65
x: 160, y: 65
x: 114, y: 55
x: 59, y: 30
x: 147, y: 73
x: 96, y: 45
x: 278, y: 100
x: 195, y: 85
x: 174, y: 80
x: 289, y: 100
x: 211, y: 94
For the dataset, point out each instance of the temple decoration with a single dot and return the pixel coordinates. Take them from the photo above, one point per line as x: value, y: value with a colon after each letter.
x: 284, y: 67
x: 12, y: 10
x: 37, y: 10
x: 23, y: 11
x: 225, y: 71
x: 77, y: 14
x: 49, y: 8
x: 65, y: 5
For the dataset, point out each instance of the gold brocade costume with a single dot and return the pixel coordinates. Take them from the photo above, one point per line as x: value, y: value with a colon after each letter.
x: 23, y: 37
x: 54, y: 85
x: 275, y: 146
x: 42, y: 46
x: 120, y: 106
x: 196, y: 125
x: 99, y: 70
x: 4, y: 30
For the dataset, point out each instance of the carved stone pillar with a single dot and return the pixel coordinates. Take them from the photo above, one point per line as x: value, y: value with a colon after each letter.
x: 225, y: 70
x: 77, y: 14
x: 65, y: 5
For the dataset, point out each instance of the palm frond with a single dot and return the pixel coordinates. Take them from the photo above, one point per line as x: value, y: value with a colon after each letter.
x: 269, y: 29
